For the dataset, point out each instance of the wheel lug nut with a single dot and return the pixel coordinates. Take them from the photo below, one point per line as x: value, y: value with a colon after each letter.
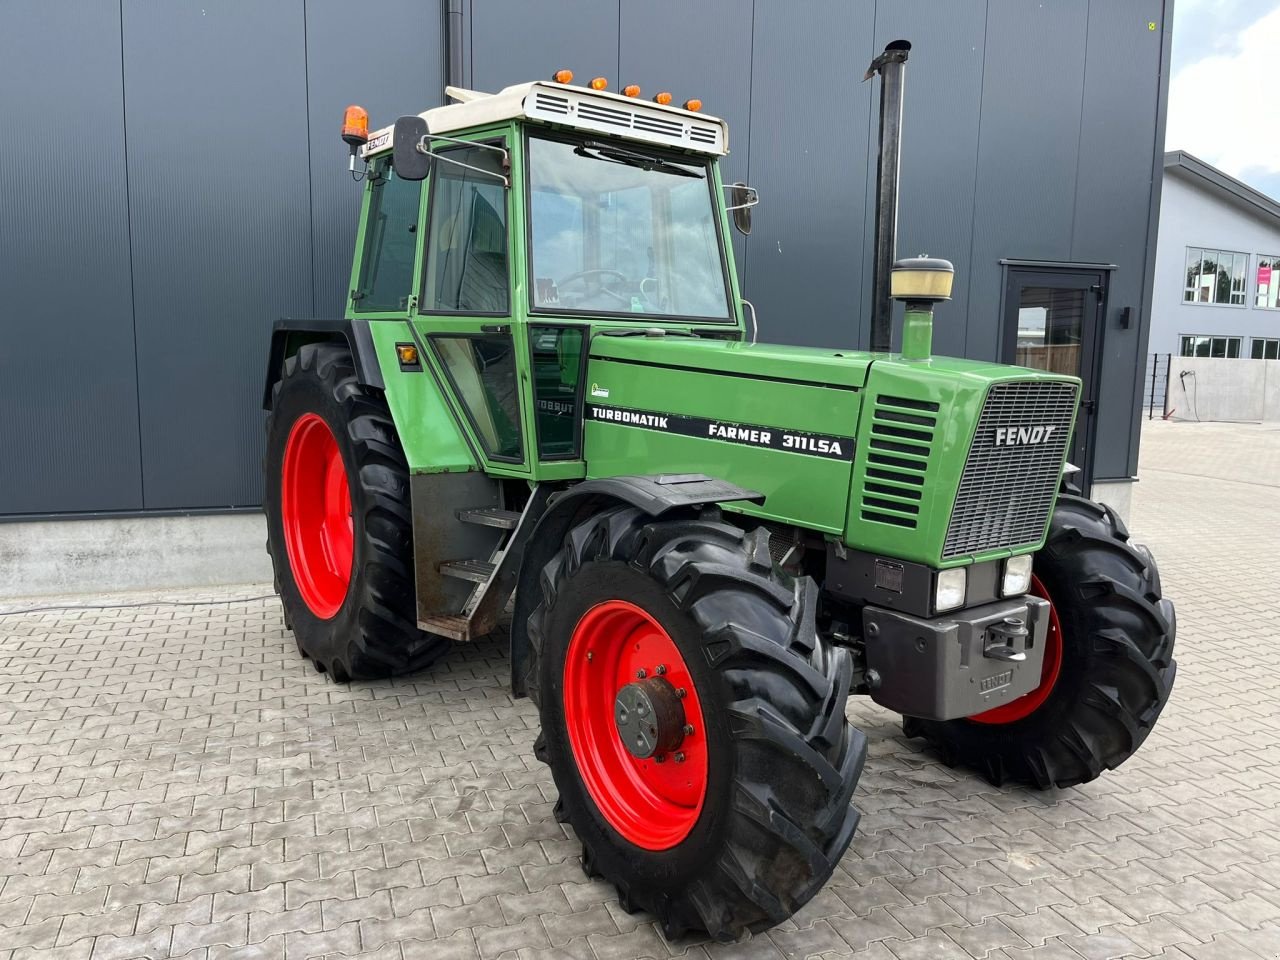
x: 641, y: 674
x: 680, y: 756
x: 688, y: 729
x: 590, y: 656
x: 680, y: 692
x: 660, y: 669
x: 659, y: 757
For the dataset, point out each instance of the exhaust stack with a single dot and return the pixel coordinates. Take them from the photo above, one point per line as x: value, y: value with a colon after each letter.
x: 891, y: 65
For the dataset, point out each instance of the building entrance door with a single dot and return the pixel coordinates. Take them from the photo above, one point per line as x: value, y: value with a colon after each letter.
x: 1053, y: 321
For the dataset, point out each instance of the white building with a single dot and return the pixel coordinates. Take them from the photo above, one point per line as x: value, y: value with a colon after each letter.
x: 1217, y: 276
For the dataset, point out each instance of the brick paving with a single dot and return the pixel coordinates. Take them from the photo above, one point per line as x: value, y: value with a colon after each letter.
x: 175, y: 781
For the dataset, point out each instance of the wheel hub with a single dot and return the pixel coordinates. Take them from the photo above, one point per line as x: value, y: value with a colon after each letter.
x: 649, y: 718
x: 629, y: 698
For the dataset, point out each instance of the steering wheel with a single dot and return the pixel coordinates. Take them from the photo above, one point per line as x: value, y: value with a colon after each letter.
x: 584, y: 274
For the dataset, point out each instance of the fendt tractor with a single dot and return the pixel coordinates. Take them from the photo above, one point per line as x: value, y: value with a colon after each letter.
x: 546, y: 402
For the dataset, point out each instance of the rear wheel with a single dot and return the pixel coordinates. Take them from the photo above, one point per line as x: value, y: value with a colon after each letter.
x: 1108, y: 667
x: 339, y: 523
x: 693, y: 720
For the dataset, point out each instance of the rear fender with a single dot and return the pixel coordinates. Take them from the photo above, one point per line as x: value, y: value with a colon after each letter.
x: 656, y: 495
x: 289, y: 336
x: 426, y: 422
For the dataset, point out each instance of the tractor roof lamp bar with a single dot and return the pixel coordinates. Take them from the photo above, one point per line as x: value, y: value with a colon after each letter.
x: 891, y: 65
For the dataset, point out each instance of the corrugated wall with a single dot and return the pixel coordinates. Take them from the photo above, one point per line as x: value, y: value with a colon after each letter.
x: 193, y: 189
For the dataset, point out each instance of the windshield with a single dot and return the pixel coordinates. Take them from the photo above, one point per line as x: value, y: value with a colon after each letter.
x: 616, y: 228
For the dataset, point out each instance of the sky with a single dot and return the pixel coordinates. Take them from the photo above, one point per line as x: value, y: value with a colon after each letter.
x: 1224, y: 92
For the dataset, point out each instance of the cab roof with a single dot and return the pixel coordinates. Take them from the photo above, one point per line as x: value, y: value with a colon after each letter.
x: 579, y: 108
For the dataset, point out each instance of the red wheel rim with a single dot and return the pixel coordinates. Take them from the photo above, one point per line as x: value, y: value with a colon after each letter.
x: 652, y: 804
x: 1029, y: 703
x: 315, y: 508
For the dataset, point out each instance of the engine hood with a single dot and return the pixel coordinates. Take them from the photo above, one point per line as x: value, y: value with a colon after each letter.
x: 764, y: 361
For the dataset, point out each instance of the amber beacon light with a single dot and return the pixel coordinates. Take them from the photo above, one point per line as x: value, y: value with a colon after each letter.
x: 355, y: 130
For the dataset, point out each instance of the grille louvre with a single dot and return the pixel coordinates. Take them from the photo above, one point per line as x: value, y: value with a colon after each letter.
x: 1006, y: 491
x: 897, y: 457
x: 639, y: 121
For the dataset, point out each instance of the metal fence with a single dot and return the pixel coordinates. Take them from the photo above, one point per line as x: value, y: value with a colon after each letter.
x: 1156, y: 386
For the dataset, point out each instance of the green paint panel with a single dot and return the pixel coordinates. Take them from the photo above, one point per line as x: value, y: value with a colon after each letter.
x: 712, y: 381
x: 432, y: 440
x: 840, y: 368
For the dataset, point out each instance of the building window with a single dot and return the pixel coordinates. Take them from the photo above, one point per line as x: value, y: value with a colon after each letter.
x: 1268, y: 283
x: 1264, y: 348
x: 1215, y: 276
x: 1195, y: 346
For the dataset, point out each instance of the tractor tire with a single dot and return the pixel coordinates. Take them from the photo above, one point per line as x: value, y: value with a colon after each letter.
x: 1109, y: 664
x: 738, y: 825
x: 339, y: 522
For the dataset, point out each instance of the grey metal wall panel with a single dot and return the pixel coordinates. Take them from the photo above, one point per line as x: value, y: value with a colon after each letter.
x: 406, y: 76
x: 1029, y: 142
x: 69, y: 437
x: 810, y: 119
x: 513, y: 41
x: 942, y: 98
x: 217, y: 118
x: 1113, y: 196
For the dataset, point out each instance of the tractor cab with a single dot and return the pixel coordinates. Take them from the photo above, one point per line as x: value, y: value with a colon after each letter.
x: 513, y: 227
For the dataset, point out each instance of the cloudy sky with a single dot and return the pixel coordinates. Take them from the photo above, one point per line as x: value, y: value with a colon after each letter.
x: 1223, y: 104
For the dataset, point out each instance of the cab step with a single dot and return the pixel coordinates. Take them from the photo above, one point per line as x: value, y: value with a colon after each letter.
x: 477, y: 571
x: 490, y: 517
x: 453, y: 627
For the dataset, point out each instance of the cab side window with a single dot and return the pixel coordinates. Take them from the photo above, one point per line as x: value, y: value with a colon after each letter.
x: 390, y: 238
x: 466, y: 269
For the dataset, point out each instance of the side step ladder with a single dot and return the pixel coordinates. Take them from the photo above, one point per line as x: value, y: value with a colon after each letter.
x: 494, y: 578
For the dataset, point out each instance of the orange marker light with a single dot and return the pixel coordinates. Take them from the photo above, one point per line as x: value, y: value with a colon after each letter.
x: 563, y: 76
x: 355, y: 125
x: 694, y: 105
x: 631, y: 90
x: 663, y: 98
x: 599, y: 83
x: 407, y: 353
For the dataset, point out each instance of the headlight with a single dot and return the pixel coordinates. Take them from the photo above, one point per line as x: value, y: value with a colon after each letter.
x: 1017, y: 576
x: 948, y: 591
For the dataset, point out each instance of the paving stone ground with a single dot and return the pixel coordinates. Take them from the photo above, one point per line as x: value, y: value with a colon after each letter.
x: 175, y: 781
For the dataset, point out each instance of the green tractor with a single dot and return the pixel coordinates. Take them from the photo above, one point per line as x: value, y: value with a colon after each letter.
x: 547, y: 400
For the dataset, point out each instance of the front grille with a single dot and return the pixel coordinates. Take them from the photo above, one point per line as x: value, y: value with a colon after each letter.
x: 1007, y: 488
x: 897, y: 457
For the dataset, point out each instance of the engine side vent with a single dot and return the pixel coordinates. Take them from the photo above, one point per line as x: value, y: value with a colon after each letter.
x: 897, y: 456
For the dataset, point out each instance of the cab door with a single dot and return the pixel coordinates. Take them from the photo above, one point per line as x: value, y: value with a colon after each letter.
x: 464, y: 307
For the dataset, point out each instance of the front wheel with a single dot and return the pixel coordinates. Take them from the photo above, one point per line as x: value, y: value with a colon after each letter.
x: 1108, y: 667
x: 693, y: 720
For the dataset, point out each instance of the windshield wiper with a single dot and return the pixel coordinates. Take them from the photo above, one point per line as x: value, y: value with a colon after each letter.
x: 612, y: 154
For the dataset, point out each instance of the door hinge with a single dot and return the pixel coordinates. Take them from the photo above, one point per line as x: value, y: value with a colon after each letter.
x: 1090, y: 406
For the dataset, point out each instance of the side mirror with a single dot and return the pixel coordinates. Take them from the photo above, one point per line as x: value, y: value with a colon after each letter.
x: 741, y: 199
x: 409, y: 162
